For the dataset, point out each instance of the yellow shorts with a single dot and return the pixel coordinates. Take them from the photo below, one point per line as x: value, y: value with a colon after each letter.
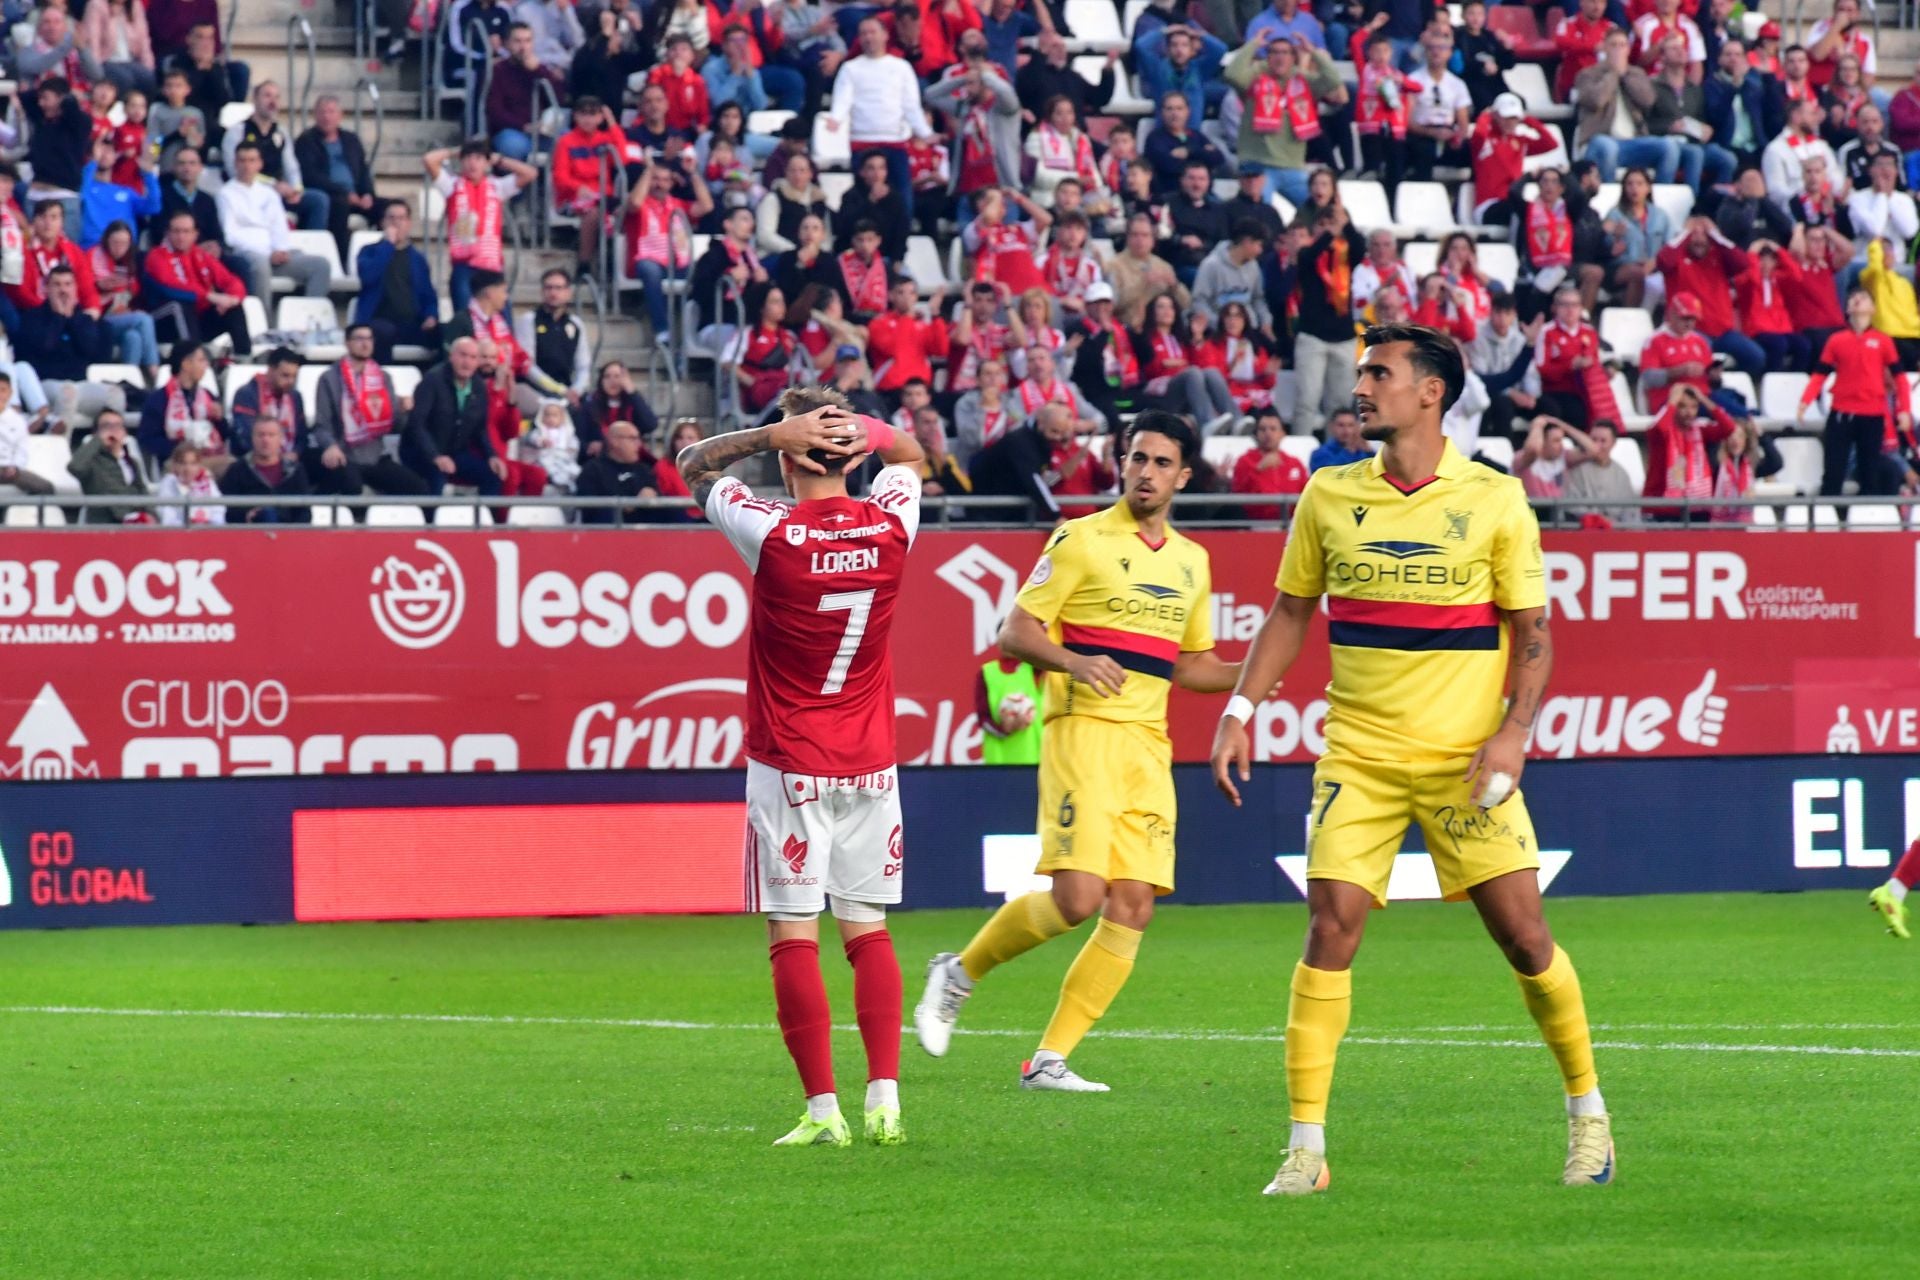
x: 1106, y: 801
x: 1361, y: 809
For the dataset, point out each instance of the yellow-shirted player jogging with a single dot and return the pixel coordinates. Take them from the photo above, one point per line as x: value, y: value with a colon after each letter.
x: 1436, y: 601
x: 1117, y: 612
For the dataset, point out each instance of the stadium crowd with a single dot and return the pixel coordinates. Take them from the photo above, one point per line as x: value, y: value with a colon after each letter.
x: 999, y: 244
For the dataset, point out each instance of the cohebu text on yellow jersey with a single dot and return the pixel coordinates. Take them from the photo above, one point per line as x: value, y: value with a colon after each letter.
x: 1101, y: 588
x: 1415, y: 581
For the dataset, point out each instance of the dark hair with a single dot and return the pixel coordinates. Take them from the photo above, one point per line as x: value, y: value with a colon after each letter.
x: 1581, y: 168
x: 475, y: 147
x: 6, y: 378
x: 55, y: 84
x: 120, y: 224
x: 181, y: 352
x: 61, y: 269
x: 585, y: 103
x: 357, y: 328
x: 795, y: 401
x: 1266, y: 411
x: 198, y: 154
x: 483, y: 279
x: 565, y: 275
x: 1171, y: 425
x: 1433, y: 355
x: 1501, y: 300
x: 863, y: 226
x: 916, y: 382
x: 250, y: 146
x: 1191, y: 165
x: 1072, y: 218
x: 1792, y: 48
x: 178, y: 214
x: 1248, y: 229
x: 282, y: 355
x: 1608, y: 423
x: 172, y: 72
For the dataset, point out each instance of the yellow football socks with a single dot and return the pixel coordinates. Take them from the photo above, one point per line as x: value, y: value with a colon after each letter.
x: 1015, y: 929
x: 1317, y: 1016
x: 1553, y: 998
x: 1095, y: 978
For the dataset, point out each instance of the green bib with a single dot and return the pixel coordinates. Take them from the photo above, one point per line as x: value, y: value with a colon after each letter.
x: 1024, y: 746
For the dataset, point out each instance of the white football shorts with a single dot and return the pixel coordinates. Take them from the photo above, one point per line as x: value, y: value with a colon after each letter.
x: 810, y: 837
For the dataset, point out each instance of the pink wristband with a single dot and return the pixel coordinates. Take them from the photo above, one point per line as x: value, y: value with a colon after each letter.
x: 879, y: 433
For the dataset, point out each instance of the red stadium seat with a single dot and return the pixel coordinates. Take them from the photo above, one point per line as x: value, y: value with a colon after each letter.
x: 1529, y: 44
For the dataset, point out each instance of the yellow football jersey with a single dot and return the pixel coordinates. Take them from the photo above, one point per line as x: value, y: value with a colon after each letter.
x: 1415, y: 583
x: 1101, y: 587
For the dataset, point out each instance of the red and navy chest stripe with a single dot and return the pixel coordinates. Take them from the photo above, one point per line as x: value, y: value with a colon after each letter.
x: 1391, y: 624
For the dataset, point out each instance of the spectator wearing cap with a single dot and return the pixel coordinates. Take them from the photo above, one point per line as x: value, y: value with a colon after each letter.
x: 1251, y: 204
x: 1742, y: 110
x: 852, y: 379
x: 1503, y: 137
x: 1701, y: 261
x: 876, y: 104
x: 1616, y: 100
x: 1281, y: 86
x: 1677, y: 355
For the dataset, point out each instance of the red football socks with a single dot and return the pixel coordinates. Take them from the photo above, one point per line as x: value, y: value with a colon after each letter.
x: 1907, y: 872
x: 876, y: 1001
x: 800, y: 996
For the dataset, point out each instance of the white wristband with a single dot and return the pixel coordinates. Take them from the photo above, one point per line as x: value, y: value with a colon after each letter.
x: 1240, y: 707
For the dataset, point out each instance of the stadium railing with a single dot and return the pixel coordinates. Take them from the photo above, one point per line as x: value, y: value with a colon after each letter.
x: 300, y: 36
x: 1771, y: 514
x: 366, y: 89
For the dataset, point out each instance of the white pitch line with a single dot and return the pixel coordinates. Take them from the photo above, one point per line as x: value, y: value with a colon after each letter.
x: 674, y: 1024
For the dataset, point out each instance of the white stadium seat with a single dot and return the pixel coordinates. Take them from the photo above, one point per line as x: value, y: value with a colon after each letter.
x: 1742, y: 385
x: 1421, y: 257
x: 537, y: 517
x: 1286, y: 394
x: 1499, y: 262
x: 1675, y: 199
x: 1301, y: 447
x: 21, y: 516
x: 1497, y: 449
x: 1423, y: 209
x: 238, y: 376
x: 131, y: 373
x: 322, y: 245
x: 1224, y: 451
x: 1780, y: 400
x: 455, y: 517
x: 1626, y: 330
x: 836, y: 186
x: 1874, y: 515
x: 47, y: 457
x: 1096, y: 25
x: 405, y: 380
x: 1626, y: 452
x: 767, y: 123
x: 1803, y: 462
x: 1529, y: 80
x: 395, y: 515
x: 1366, y: 203
x: 923, y: 263
x: 307, y: 385
x: 1607, y: 200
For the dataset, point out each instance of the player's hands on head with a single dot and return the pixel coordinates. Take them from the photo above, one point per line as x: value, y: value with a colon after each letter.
x: 829, y: 429
x: 1098, y: 672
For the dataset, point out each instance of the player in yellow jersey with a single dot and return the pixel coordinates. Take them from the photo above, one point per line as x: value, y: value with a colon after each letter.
x: 1117, y: 612
x: 1436, y: 604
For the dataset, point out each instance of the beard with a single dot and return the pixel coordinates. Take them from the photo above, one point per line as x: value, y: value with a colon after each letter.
x: 1378, y: 433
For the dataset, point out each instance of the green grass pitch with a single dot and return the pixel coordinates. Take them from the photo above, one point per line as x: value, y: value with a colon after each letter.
x: 1759, y: 1054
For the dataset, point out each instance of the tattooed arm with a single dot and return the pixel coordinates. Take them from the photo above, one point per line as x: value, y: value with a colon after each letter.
x: 1528, y: 667
x: 831, y: 430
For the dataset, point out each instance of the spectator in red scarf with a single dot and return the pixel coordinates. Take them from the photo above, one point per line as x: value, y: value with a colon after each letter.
x: 1678, y: 464
x: 1267, y: 468
x: 521, y: 479
x: 762, y: 355
x: 1566, y: 349
x: 1503, y: 137
x: 613, y: 400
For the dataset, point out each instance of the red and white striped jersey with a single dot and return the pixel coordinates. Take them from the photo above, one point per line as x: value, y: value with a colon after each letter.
x: 826, y: 573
